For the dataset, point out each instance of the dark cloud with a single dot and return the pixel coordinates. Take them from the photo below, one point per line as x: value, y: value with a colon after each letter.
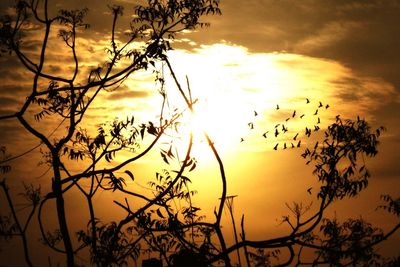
x: 124, y: 94
x: 362, y: 34
x: 7, y: 101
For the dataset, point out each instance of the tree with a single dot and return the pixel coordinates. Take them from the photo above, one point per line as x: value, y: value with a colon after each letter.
x: 155, y: 224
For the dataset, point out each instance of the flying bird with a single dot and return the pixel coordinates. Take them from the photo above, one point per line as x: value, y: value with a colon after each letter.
x: 320, y: 104
x: 284, y: 146
x: 309, y: 190
x: 255, y: 113
x: 316, y: 145
x: 251, y: 125
x: 327, y: 106
x: 319, y: 120
x: 308, y: 132
x: 292, y: 145
x: 316, y: 112
x: 295, y: 137
x: 265, y: 134
x: 302, y: 116
x: 276, y: 146
x: 284, y: 129
x: 276, y: 126
x: 294, y: 114
x: 316, y: 128
x: 299, y: 143
x: 307, y: 100
x: 241, y: 139
x: 276, y: 132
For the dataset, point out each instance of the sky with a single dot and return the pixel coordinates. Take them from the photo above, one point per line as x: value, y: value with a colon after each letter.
x: 258, y: 54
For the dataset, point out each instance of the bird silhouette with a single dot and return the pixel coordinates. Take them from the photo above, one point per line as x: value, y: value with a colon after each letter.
x: 276, y: 146
x: 319, y: 120
x: 307, y: 100
x: 241, y: 139
x: 287, y: 119
x: 276, y: 126
x: 302, y: 116
x: 295, y: 137
x: 316, y: 128
x: 251, y: 125
x: 276, y: 132
x: 309, y: 190
x: 327, y: 106
x: 255, y: 113
x: 308, y: 132
x: 316, y: 145
x: 265, y: 134
x: 277, y: 107
x: 284, y: 146
x: 316, y: 112
x: 292, y: 145
x: 284, y: 129
x: 299, y: 143
x: 320, y: 104
x: 294, y: 114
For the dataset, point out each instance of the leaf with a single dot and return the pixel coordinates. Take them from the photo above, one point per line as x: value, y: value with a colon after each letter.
x: 159, y: 213
x: 193, y: 166
x: 164, y: 157
x: 130, y: 175
x: 142, y: 132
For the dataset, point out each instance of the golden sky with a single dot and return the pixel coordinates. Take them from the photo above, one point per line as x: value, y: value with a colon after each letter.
x: 258, y: 54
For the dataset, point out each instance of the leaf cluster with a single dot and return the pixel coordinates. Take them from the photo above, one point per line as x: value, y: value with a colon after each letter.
x: 336, y: 159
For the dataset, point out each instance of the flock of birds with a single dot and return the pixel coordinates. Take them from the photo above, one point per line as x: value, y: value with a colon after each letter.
x: 282, y: 128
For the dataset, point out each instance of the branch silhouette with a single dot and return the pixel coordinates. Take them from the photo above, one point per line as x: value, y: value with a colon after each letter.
x: 163, y: 221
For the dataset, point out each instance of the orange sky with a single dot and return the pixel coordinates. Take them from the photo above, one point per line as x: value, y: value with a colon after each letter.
x: 256, y: 55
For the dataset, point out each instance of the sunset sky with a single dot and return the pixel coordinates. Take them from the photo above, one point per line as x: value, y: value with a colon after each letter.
x: 257, y: 55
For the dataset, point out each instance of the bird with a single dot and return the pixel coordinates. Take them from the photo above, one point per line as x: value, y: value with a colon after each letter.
x: 302, y: 116
x: 316, y: 145
x: 287, y: 119
x: 265, y: 134
x: 295, y: 137
x: 284, y: 146
x: 284, y: 129
x: 276, y: 146
x: 294, y: 114
x: 327, y: 106
x: 276, y: 126
x: 292, y: 145
x: 320, y: 104
x: 251, y: 125
x: 316, y: 112
x: 299, y: 143
x: 319, y: 120
x: 316, y: 128
x: 255, y: 113
x: 309, y: 190
x: 241, y: 139
x: 308, y: 132
x: 307, y: 100
x: 276, y: 132
x: 277, y: 107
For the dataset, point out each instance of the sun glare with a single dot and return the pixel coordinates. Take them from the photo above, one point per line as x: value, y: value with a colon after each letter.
x: 237, y: 93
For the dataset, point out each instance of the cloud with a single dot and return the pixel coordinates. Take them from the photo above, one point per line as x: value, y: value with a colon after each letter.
x: 232, y: 81
x: 125, y: 94
x: 330, y: 34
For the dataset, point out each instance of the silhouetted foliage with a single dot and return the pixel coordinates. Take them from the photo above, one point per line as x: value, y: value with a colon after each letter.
x: 153, y: 224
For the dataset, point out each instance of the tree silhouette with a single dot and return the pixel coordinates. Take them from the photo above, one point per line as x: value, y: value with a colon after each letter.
x: 178, y: 236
